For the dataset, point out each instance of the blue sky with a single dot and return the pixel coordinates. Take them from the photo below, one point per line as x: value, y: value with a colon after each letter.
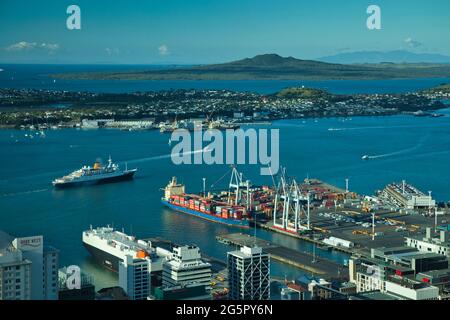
x: 208, y: 31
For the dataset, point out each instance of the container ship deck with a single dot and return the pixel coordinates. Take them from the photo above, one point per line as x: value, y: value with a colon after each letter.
x: 212, y: 208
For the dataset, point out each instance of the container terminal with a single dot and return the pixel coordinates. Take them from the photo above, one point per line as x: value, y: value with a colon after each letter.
x: 333, y: 218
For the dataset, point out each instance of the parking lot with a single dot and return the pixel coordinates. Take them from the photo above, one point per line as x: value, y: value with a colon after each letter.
x: 355, y: 225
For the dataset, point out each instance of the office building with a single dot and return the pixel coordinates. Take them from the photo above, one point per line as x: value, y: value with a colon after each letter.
x: 410, y: 258
x: 15, y: 271
x: 428, y: 243
x: 391, y: 277
x: 186, y: 267
x: 249, y: 274
x: 50, y: 269
x: 135, y: 276
x: 27, y: 268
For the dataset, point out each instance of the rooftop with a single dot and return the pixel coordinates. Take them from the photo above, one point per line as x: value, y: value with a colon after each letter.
x: 435, y: 273
x: 247, y: 252
x: 373, y: 295
x: 5, y: 240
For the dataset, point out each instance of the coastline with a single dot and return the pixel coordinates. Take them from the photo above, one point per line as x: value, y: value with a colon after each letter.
x: 78, y: 126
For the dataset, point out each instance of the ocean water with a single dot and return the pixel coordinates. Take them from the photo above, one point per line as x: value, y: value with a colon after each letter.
x: 37, y: 77
x: 401, y: 147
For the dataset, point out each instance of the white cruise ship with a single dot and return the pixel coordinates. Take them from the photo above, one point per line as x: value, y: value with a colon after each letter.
x: 96, y: 174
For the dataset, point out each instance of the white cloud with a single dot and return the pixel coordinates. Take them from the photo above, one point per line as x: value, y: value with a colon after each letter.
x: 163, y: 50
x: 20, y: 46
x: 24, y: 46
x: 49, y: 46
x: 412, y: 43
x: 111, y: 51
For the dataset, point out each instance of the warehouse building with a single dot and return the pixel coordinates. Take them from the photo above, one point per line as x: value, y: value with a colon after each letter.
x: 407, y: 196
x: 438, y: 245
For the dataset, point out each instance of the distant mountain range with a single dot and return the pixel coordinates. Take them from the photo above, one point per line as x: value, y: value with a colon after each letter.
x: 275, y: 67
x: 397, y: 56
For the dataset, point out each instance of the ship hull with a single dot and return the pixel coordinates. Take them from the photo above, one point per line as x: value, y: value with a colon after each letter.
x: 125, y: 176
x: 230, y: 222
x: 106, y: 259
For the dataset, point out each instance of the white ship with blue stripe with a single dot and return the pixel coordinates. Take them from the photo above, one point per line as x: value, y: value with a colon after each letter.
x: 96, y: 174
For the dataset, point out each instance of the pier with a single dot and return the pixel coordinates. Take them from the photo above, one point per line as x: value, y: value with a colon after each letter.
x: 269, y: 226
x: 305, y: 261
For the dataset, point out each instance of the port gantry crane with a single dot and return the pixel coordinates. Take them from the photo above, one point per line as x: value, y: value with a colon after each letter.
x: 288, y: 200
x: 239, y: 185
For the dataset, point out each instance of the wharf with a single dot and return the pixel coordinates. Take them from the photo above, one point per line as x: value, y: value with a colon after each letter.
x: 316, y: 265
x: 319, y: 243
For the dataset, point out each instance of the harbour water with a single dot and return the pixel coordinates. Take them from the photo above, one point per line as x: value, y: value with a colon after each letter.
x: 402, y: 147
x: 406, y: 147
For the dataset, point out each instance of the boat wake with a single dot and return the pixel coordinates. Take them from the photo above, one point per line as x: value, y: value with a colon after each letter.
x: 387, y: 127
x: 365, y: 128
x: 165, y: 156
x: 22, y: 193
x: 403, y: 151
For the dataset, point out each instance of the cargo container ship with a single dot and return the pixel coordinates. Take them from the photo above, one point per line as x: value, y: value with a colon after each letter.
x: 205, y: 207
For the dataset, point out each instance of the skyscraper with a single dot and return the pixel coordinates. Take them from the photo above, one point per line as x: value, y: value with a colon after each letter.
x: 27, y: 269
x: 135, y: 277
x: 249, y: 274
x: 15, y: 271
